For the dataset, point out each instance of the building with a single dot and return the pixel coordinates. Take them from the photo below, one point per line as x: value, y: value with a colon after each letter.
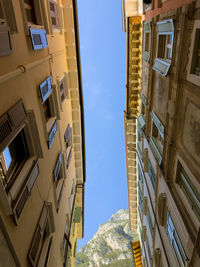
x: 42, y: 148
x: 166, y: 135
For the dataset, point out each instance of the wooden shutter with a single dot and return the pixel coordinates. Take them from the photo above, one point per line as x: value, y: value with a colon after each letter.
x: 58, y: 166
x: 52, y: 134
x: 145, y: 205
x: 155, y: 150
x: 38, y: 38
x: 11, y: 123
x: 5, y: 40
x: 26, y: 191
x: 162, y: 209
x: 45, y: 89
x: 144, y: 233
x: 145, y: 159
x: 158, y: 259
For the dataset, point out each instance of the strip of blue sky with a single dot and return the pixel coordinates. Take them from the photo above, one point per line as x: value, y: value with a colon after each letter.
x: 103, y: 55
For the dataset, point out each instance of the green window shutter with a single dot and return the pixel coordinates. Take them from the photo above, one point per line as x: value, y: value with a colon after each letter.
x: 161, y: 66
x: 77, y: 214
x: 165, y: 27
x: 147, y: 26
x: 158, y: 124
x: 144, y: 99
x: 141, y: 121
x: 155, y: 150
x: 146, y: 56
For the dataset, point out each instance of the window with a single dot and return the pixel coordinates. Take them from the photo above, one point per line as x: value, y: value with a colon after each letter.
x: 152, y: 174
x: 176, y: 242
x: 195, y: 66
x: 157, y: 138
x: 147, y: 41
x: 140, y: 200
x: 63, y: 85
x: 59, y: 176
x: 148, y: 250
x: 66, y: 243
x: 35, y: 20
x: 72, y: 196
x: 165, y: 31
x: 140, y: 174
x: 147, y: 4
x: 42, y: 240
x: 7, y: 15
x: 190, y: 191
x: 150, y: 222
x: 19, y: 150
x: 13, y: 158
x: 49, y: 109
x: 68, y: 143
x: 54, y: 18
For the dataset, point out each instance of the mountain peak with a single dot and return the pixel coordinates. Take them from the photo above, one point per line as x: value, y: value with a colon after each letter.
x: 110, y: 246
x: 120, y: 215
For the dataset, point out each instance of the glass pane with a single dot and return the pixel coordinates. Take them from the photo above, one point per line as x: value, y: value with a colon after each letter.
x: 7, y: 157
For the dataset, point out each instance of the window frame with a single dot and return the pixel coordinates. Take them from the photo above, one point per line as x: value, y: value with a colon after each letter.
x: 68, y: 144
x: 40, y: 248
x: 190, y: 76
x: 156, y: 148
x: 59, y: 170
x: 18, y: 119
x: 48, y: 91
x: 162, y: 65
x: 188, y: 189
x: 147, y: 30
x: 9, y: 15
x: 175, y: 240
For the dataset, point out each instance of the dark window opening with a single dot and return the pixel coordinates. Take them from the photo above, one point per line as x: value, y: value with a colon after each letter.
x: 13, y: 158
x: 30, y: 11
x: 47, y: 110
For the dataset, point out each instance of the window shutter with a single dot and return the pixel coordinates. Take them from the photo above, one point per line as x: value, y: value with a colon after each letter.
x: 62, y: 88
x: 77, y: 214
x: 162, y: 209
x: 50, y: 217
x: 165, y: 27
x: 144, y: 233
x: 145, y: 159
x: 158, y: 255
x: 145, y: 205
x: 147, y: 26
x: 67, y: 84
x: 11, y: 122
x: 144, y: 99
x: 56, y: 105
x: 158, y: 124
x: 26, y: 191
x: 57, y: 168
x: 161, y: 66
x: 52, y: 134
x: 38, y: 38
x: 35, y: 246
x: 5, y: 40
x: 155, y: 150
x: 141, y: 121
x: 67, y: 133
x: 45, y: 89
x: 69, y: 158
x: 18, y: 114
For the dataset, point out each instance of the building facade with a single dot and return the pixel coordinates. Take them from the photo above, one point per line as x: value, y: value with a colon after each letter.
x: 42, y: 148
x: 167, y: 133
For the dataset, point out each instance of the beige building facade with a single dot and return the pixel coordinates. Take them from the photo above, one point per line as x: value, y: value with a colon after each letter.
x: 167, y: 133
x: 42, y: 148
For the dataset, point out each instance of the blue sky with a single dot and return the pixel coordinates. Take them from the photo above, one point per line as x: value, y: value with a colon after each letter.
x: 103, y: 56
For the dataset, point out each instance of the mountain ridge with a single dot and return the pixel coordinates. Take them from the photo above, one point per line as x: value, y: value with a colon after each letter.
x: 110, y: 245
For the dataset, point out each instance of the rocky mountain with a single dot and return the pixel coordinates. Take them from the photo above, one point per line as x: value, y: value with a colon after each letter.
x: 110, y: 246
